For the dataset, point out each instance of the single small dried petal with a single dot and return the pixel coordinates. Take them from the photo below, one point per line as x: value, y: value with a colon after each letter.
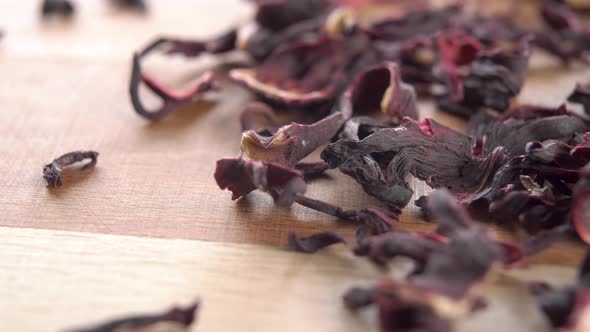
x: 180, y: 317
x: 52, y: 171
x: 313, y: 243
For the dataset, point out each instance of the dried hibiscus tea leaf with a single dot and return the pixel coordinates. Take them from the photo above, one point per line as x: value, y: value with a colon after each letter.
x: 175, y: 319
x: 241, y: 176
x: 313, y: 243
x: 291, y: 143
x: 426, y: 149
x: 52, y: 171
x: 381, y: 88
x: 304, y: 73
x: 171, y: 99
x: 457, y: 49
x: 63, y: 8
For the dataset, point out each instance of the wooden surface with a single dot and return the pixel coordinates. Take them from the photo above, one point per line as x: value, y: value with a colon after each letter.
x: 148, y: 227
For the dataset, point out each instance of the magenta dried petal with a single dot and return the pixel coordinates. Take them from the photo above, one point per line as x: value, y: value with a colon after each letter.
x: 183, y: 317
x: 241, y: 176
x: 456, y: 49
x: 291, y: 143
x: 304, y: 73
x: 380, y: 88
x: 313, y: 243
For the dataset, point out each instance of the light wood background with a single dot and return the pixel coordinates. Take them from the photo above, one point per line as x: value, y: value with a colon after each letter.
x: 148, y: 227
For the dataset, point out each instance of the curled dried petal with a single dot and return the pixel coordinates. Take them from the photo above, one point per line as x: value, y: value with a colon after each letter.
x: 380, y: 88
x: 303, y: 74
x: 172, y: 100
x: 52, y: 171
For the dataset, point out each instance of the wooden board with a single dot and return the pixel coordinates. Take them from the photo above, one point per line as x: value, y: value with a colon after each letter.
x: 89, y: 249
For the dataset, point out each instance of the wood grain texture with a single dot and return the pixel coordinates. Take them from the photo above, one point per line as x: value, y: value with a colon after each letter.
x: 52, y: 280
x: 64, y: 87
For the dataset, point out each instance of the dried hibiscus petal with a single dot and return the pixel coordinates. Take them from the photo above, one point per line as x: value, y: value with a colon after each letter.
x: 305, y: 73
x: 52, y: 171
x: 172, y: 100
x: 241, y: 176
x: 313, y: 243
x: 177, y: 319
x: 456, y: 49
x: 290, y: 143
x: 426, y: 149
x: 380, y: 88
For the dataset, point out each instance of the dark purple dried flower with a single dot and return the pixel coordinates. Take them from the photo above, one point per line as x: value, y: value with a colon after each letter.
x: 380, y: 88
x: 428, y: 150
x: 313, y: 243
x: 181, y: 317
x: 52, y: 171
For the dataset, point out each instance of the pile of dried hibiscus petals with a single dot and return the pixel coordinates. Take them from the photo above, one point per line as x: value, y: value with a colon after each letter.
x: 351, y: 72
